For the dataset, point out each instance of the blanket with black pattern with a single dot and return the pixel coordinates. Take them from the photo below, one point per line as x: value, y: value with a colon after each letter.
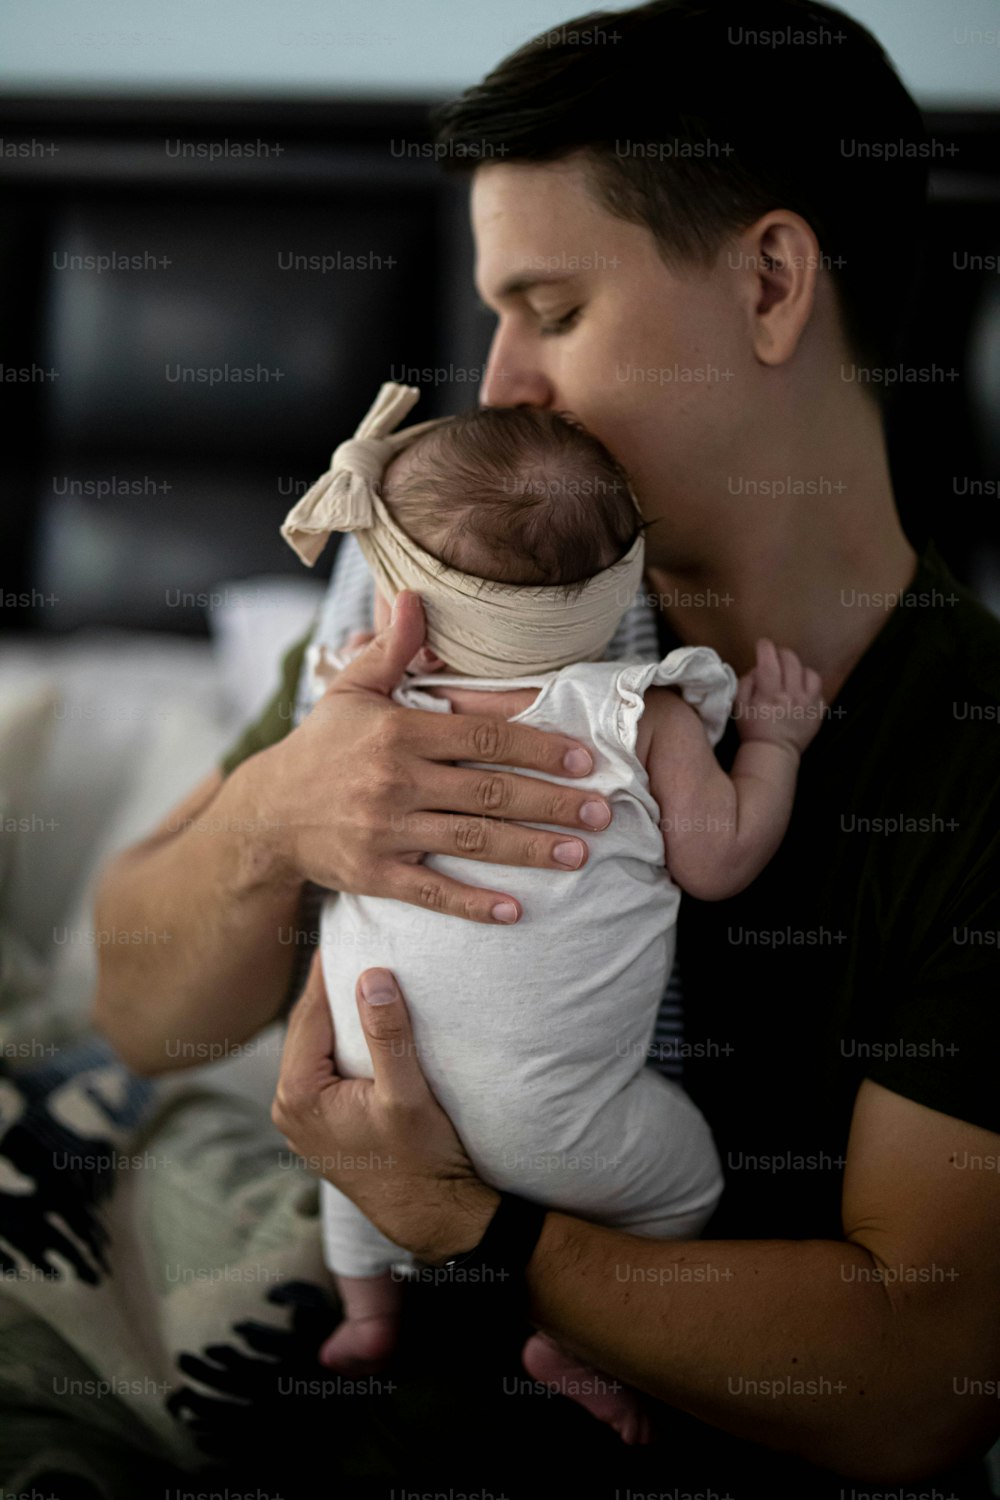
x: 162, y: 1290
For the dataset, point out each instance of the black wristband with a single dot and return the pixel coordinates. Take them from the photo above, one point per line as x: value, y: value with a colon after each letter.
x: 501, y: 1258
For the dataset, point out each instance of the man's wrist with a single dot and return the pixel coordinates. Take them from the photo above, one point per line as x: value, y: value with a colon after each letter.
x: 475, y: 1204
x: 257, y: 828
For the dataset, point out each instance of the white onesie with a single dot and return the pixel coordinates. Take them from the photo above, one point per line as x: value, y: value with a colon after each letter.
x: 534, y: 1037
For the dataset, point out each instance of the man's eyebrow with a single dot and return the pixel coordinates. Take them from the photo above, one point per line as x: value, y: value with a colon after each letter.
x: 516, y: 286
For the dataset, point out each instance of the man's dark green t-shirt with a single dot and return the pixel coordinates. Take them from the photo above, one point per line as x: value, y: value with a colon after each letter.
x: 279, y: 715
x: 869, y: 947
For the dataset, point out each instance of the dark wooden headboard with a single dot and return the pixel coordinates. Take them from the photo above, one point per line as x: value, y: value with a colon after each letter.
x: 277, y: 261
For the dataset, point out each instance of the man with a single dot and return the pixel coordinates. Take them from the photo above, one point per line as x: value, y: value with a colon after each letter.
x: 692, y: 242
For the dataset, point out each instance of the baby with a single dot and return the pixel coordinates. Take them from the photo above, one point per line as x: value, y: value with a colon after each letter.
x: 534, y: 1037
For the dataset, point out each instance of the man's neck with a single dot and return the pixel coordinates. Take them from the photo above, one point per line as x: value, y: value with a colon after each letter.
x: 824, y: 592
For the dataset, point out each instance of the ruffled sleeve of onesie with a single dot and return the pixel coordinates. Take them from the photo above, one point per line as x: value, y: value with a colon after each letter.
x: 706, y: 682
x: 321, y: 666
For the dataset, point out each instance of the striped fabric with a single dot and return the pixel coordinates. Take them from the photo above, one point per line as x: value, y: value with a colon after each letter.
x: 349, y: 606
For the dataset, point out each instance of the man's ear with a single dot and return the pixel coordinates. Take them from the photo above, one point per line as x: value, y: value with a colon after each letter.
x: 779, y: 260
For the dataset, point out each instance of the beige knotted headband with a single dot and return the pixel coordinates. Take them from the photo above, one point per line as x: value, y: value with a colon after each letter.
x: 478, y: 627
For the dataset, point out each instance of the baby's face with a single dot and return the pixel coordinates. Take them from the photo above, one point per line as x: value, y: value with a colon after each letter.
x: 425, y: 660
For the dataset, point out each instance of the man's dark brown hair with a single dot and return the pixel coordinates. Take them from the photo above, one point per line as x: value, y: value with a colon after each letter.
x: 698, y: 116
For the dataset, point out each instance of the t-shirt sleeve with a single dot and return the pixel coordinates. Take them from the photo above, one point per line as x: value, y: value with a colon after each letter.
x: 273, y: 724
x: 939, y: 1039
x: 277, y: 718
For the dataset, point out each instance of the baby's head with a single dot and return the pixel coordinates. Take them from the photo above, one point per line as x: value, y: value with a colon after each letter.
x: 514, y: 495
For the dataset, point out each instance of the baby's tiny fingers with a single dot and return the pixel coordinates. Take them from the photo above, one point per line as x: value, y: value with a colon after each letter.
x: 791, y: 669
x: 768, y: 668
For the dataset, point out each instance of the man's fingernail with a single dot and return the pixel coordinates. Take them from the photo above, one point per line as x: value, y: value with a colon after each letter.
x: 378, y: 990
x: 595, y: 815
x: 505, y: 911
x: 570, y: 853
x: 578, y: 761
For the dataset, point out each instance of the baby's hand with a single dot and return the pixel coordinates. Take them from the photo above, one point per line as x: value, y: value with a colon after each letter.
x: 779, y: 699
x: 323, y: 668
x: 425, y: 660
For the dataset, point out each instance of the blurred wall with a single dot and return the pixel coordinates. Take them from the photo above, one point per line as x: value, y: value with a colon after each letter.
x: 948, y: 54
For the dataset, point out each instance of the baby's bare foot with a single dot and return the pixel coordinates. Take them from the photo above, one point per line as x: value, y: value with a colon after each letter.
x: 608, y: 1399
x: 361, y: 1346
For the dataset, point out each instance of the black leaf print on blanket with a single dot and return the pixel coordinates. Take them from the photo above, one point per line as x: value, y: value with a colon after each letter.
x: 61, y: 1128
x: 269, y: 1386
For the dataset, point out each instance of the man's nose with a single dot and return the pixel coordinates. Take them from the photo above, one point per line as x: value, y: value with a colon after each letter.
x: 512, y: 380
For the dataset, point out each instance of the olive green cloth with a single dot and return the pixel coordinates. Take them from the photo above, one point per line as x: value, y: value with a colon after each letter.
x: 279, y: 715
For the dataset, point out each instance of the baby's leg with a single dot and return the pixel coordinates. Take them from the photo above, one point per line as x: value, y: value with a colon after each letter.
x: 602, y: 1395
x: 646, y: 1163
x: 363, y: 1342
x: 357, y: 1254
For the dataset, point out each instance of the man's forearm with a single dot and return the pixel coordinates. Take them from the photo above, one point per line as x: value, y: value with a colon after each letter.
x: 791, y: 1344
x: 210, y: 931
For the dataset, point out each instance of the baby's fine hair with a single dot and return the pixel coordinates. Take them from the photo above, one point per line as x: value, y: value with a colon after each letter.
x: 514, y: 495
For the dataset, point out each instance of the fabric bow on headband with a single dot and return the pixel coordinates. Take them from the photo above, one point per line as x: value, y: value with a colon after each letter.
x: 478, y: 627
x: 341, y: 499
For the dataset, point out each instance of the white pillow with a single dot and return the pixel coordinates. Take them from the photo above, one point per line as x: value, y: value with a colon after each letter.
x: 253, y: 623
x: 189, y: 742
x: 27, y: 717
x: 183, y: 743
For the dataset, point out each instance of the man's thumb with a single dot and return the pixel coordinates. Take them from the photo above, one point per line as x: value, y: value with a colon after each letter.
x: 386, y: 1023
x: 382, y: 663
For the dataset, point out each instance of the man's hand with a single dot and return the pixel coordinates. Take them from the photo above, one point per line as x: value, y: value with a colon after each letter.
x: 406, y: 1168
x: 352, y: 799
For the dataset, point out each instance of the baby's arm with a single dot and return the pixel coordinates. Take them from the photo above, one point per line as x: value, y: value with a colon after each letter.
x: 720, y: 831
